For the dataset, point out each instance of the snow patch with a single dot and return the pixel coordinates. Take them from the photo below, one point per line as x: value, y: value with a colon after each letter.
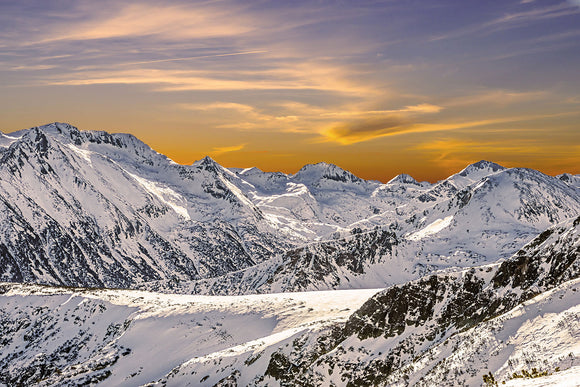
x: 83, y: 153
x: 432, y: 228
x: 165, y: 194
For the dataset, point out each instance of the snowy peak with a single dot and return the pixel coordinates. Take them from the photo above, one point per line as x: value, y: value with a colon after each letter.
x: 208, y: 164
x: 471, y: 174
x: 403, y: 178
x: 571, y: 180
x: 481, y: 167
x: 57, y: 136
x: 315, y: 173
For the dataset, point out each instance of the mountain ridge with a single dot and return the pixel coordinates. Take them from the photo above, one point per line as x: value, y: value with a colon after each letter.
x: 263, y: 278
x: 130, y: 216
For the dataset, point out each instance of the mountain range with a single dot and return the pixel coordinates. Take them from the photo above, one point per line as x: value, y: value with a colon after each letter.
x: 104, y: 240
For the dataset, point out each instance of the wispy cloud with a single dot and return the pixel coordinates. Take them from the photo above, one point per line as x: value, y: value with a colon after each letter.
x: 32, y: 67
x: 366, y: 130
x: 512, y: 20
x: 219, y: 105
x: 145, y: 19
x: 195, y: 57
x: 251, y: 117
x: 227, y: 149
x: 421, y: 108
x: 497, y: 97
x: 309, y: 76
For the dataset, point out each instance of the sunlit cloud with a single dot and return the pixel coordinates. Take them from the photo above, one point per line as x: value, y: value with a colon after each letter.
x: 303, y: 77
x: 421, y: 108
x: 194, y: 57
x: 165, y: 21
x: 227, y: 149
x: 497, y: 97
x: 219, y: 105
x: 252, y: 119
x: 366, y: 130
x: 32, y: 67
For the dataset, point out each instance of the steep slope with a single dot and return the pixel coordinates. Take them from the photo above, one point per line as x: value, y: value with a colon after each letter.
x: 317, y: 202
x: 486, y: 221
x: 573, y: 180
x: 94, y: 209
x: 446, y: 329
x: 504, y: 319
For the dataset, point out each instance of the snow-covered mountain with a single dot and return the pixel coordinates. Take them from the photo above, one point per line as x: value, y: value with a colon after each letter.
x: 486, y: 221
x: 446, y: 329
x: 86, y: 208
x: 94, y: 209
x: 314, y: 278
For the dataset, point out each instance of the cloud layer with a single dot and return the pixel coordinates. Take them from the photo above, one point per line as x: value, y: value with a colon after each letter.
x: 293, y: 82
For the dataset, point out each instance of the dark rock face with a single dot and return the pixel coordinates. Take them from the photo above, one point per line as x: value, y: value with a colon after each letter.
x: 322, y: 260
x: 416, y: 315
x: 26, y: 330
x: 305, y: 268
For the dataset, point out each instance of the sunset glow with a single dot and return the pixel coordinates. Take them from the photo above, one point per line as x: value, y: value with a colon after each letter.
x: 377, y: 87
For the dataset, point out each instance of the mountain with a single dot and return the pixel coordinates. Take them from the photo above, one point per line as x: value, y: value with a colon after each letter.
x: 486, y: 221
x: 122, y: 267
x: 514, y: 317
x: 573, y: 180
x: 443, y: 329
x: 89, y: 208
x: 95, y: 209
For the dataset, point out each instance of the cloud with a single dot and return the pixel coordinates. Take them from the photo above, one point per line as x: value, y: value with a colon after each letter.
x: 307, y: 76
x: 252, y: 118
x: 32, y: 67
x: 219, y: 105
x: 227, y: 149
x: 195, y: 57
x: 513, y: 20
x: 366, y: 130
x: 140, y: 20
x: 365, y: 125
x: 497, y: 97
x: 421, y: 108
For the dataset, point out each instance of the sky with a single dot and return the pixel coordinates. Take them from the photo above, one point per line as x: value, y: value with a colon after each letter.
x: 377, y: 87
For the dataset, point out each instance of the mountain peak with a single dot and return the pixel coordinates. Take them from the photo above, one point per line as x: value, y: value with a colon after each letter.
x: 207, y: 163
x: 482, y: 165
x: 313, y: 173
x: 403, y: 178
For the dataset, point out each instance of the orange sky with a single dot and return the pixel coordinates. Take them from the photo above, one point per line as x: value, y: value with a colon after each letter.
x: 379, y: 88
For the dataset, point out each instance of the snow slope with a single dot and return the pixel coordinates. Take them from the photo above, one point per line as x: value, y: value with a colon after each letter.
x: 444, y: 329
x: 72, y: 336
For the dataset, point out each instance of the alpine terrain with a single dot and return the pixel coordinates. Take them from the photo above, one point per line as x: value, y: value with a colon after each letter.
x: 119, y: 266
